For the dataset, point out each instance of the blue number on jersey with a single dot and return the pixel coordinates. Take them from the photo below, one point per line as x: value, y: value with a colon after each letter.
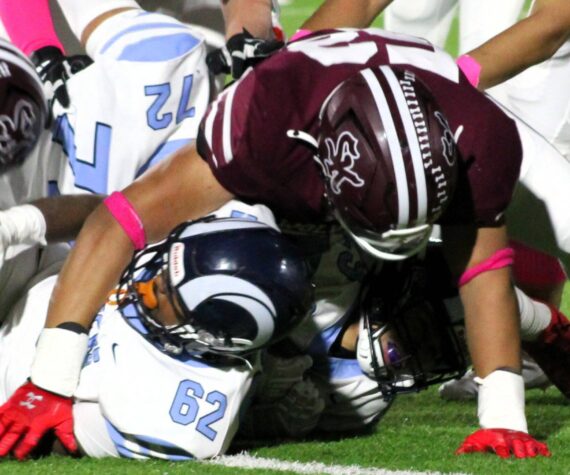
x: 90, y: 176
x: 158, y: 120
x: 185, y: 406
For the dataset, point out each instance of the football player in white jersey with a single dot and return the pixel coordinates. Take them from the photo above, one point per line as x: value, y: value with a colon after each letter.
x: 208, y: 192
x: 141, y: 99
x: 160, y: 91
x: 172, y: 356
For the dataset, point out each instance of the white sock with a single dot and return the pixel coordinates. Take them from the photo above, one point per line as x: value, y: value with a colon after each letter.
x: 535, y: 316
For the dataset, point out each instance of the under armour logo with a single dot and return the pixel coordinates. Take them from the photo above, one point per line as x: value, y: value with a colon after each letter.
x: 340, y: 160
x: 32, y: 397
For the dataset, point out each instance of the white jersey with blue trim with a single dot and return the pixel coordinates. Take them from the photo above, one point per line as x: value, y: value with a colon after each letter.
x: 133, y: 400
x: 155, y: 405
x: 141, y: 99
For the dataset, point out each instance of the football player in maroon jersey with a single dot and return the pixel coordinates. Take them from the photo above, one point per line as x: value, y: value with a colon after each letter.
x: 379, y: 131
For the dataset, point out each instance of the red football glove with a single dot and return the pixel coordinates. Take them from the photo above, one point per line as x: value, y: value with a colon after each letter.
x: 503, y: 442
x: 29, y: 414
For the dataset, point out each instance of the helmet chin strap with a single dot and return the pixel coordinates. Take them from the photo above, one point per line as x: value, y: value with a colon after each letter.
x: 423, y: 231
x: 365, y: 352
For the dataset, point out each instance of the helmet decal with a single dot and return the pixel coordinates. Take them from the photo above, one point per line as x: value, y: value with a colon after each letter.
x: 176, y: 266
x: 447, y: 140
x: 240, y: 292
x: 22, y: 121
x: 340, y: 170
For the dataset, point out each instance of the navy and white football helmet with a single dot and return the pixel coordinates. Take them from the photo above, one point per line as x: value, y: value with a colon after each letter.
x: 406, y: 339
x: 236, y: 284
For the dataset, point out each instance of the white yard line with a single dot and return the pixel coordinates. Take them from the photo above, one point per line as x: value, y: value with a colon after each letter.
x: 245, y: 460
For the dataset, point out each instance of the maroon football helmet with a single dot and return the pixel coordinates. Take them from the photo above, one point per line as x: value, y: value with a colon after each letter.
x: 389, y: 160
x: 23, y: 106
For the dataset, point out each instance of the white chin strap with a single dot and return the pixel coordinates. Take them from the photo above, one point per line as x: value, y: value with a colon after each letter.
x: 404, y: 242
x: 364, y: 352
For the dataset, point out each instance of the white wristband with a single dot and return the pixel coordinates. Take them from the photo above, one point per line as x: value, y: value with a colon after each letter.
x: 24, y: 224
x: 59, y: 357
x: 501, y: 401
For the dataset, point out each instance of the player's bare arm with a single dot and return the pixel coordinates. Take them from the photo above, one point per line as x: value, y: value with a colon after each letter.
x: 528, y: 42
x: 180, y: 188
x: 489, y: 300
x: 254, y: 15
x: 64, y: 215
x: 345, y: 14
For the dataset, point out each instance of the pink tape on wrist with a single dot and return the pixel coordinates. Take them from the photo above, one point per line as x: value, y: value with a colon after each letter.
x: 29, y: 24
x: 127, y: 217
x: 501, y: 258
x: 300, y: 34
x: 470, y: 67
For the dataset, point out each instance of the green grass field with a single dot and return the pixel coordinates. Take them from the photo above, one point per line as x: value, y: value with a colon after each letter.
x: 419, y: 433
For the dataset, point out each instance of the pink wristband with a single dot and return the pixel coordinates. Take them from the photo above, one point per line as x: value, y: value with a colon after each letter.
x: 127, y: 218
x: 29, y: 24
x: 300, y: 34
x: 501, y: 258
x: 470, y: 67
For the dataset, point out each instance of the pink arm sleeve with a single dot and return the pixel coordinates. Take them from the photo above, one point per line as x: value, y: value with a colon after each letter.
x: 29, y: 24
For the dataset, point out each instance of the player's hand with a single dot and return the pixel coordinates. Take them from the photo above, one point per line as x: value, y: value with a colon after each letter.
x: 294, y: 415
x: 240, y: 52
x: 55, y: 69
x: 503, y: 442
x: 29, y: 414
x: 279, y: 375
x: 20, y: 227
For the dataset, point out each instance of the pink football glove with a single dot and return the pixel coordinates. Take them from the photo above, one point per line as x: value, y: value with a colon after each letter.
x: 503, y: 442
x: 29, y: 414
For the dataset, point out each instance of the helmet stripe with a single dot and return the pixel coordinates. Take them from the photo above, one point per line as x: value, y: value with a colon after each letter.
x: 393, y: 145
x: 227, y: 126
x: 413, y: 143
x: 222, y: 224
x: 209, y: 129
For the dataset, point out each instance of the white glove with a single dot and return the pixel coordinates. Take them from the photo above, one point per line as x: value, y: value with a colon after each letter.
x: 279, y: 375
x: 20, y: 228
x: 294, y: 415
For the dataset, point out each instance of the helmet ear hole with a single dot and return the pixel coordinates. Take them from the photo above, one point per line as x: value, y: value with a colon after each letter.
x: 389, y: 159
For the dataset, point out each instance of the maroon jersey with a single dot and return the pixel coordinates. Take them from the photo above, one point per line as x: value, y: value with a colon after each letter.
x: 244, y: 133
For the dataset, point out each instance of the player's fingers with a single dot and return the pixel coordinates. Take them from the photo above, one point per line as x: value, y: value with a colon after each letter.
x: 64, y: 433
x: 543, y: 449
x: 531, y: 447
x: 10, y: 437
x: 502, y: 450
x: 465, y: 448
x: 61, y: 94
x: 522, y: 450
x: 30, y: 441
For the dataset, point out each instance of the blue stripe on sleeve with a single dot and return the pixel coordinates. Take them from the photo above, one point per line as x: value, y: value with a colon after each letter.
x: 161, y: 48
